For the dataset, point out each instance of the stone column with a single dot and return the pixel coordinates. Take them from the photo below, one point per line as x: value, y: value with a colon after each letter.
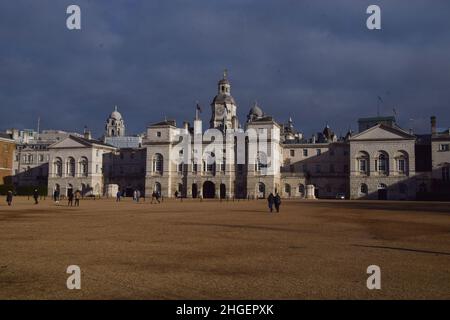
x: 310, y: 192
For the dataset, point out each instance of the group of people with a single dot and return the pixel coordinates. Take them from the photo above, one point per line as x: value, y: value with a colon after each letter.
x: 274, y: 201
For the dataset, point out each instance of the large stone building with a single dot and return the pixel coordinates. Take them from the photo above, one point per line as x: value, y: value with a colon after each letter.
x: 233, y: 159
x: 7, y: 146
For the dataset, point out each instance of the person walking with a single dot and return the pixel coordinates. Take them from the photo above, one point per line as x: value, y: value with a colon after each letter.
x: 9, y: 197
x: 138, y: 196
x: 277, y: 202
x: 118, y: 196
x: 270, y: 201
x: 158, y: 195
x: 77, y: 198
x: 134, y: 195
x: 56, y: 196
x: 70, y: 199
x: 36, y: 196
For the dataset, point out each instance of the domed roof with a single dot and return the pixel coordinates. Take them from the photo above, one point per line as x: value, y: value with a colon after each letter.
x: 223, y: 98
x: 256, y: 111
x: 116, y: 114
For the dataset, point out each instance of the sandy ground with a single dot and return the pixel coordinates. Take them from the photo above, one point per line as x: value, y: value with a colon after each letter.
x: 224, y: 250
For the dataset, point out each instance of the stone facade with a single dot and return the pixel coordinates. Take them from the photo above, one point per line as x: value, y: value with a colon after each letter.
x: 7, y: 147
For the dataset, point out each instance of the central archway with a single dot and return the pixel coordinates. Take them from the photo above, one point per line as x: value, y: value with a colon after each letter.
x: 209, y: 190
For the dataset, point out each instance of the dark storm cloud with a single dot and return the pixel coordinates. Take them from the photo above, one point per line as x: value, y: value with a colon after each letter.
x: 312, y: 60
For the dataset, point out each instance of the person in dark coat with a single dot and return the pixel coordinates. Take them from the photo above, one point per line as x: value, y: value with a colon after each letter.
x: 36, y: 196
x: 70, y: 198
x: 9, y: 197
x: 118, y: 196
x: 270, y: 201
x: 277, y: 202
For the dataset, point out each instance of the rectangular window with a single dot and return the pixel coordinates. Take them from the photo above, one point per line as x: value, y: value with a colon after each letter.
x: 401, y: 166
x: 292, y: 153
x: 305, y: 152
x: 446, y: 173
x: 318, y: 152
x: 444, y: 147
x: 362, y: 165
x: 158, y: 134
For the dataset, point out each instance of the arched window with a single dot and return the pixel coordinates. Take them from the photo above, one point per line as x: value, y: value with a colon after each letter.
x: 83, y: 167
x: 57, y: 167
x: 158, y: 163
x: 382, y: 163
x: 70, y: 167
x: 261, y: 163
x: 209, y: 164
x: 363, y: 189
x: 287, y: 189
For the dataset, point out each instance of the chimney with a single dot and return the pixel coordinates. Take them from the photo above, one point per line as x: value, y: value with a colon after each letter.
x: 433, y: 125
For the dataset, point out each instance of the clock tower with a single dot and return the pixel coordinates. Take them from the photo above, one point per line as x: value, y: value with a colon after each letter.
x: 223, y: 107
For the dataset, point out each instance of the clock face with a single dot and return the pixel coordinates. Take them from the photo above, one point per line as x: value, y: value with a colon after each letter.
x: 220, y: 111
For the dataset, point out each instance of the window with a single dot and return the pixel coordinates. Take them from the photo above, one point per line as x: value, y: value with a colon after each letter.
x: 158, y: 134
x: 58, y: 167
x: 446, y: 173
x: 41, y: 158
x: 383, y: 164
x: 261, y: 162
x: 444, y: 147
x: 71, y: 167
x: 305, y: 152
x: 292, y: 152
x: 363, y: 189
x: 84, y: 167
x: 363, y: 165
x: 401, y: 165
x: 158, y: 163
x: 318, y: 152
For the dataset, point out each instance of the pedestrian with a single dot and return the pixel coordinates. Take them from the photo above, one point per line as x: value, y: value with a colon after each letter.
x: 134, y: 195
x: 36, y: 196
x: 56, y: 196
x: 138, y: 195
x: 70, y: 199
x: 9, y: 197
x: 277, y: 202
x: 77, y: 198
x: 270, y: 201
x: 158, y: 195
x: 176, y: 194
x: 118, y: 196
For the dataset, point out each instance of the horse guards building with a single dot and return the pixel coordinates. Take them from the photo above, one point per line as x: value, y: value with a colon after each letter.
x: 380, y: 161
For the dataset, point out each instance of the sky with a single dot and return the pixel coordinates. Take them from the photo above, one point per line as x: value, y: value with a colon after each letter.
x: 314, y: 61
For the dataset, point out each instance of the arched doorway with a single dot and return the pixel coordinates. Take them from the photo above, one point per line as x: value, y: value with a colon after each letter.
x: 382, y: 192
x: 194, y: 190
x: 157, y: 187
x: 261, y: 190
x: 209, y: 190
x: 223, y: 191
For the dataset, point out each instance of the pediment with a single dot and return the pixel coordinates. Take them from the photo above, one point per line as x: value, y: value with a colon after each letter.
x: 68, y: 142
x: 382, y: 132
